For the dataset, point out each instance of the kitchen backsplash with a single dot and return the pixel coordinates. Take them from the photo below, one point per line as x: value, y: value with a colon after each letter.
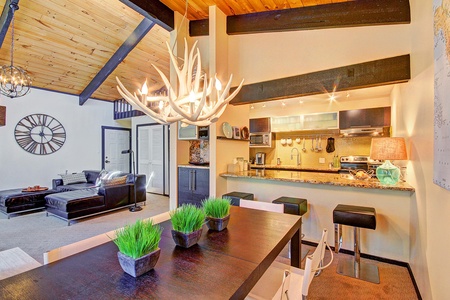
x: 310, y: 158
x: 199, y: 152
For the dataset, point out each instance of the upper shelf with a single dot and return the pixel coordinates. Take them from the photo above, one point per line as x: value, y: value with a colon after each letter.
x: 220, y: 137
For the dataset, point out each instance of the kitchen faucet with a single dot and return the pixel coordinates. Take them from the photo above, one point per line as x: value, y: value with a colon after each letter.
x: 298, y: 156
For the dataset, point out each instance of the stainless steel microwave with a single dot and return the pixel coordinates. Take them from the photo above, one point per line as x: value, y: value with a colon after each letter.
x: 261, y: 140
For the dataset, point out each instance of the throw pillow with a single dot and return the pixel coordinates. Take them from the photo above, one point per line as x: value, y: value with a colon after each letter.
x: 102, y: 175
x: 73, y: 178
x: 114, y: 181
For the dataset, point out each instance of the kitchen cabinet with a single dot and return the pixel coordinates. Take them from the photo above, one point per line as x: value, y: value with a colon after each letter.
x: 317, y: 121
x: 370, y: 117
x: 193, y: 185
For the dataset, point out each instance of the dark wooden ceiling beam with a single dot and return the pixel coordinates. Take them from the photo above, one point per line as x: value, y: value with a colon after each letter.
x: 6, y: 18
x: 368, y: 74
x: 153, y: 10
x: 138, y: 34
x: 335, y: 15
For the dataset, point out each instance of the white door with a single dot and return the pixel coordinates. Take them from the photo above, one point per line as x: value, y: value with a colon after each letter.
x: 151, y: 156
x: 115, y: 141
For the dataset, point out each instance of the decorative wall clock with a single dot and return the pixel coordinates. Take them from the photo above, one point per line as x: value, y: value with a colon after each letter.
x: 40, y: 134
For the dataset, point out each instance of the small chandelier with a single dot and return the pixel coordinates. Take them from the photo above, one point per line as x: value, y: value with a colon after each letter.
x: 198, y: 101
x: 14, y: 81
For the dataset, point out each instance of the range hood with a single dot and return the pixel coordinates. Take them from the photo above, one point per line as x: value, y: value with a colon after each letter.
x: 364, y: 131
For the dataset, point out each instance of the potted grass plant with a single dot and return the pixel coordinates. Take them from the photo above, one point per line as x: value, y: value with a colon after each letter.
x: 217, y: 212
x: 138, y: 247
x: 187, y: 222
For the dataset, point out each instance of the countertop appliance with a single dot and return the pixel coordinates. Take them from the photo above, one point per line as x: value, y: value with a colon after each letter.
x: 260, y: 158
x: 261, y: 140
x: 361, y: 162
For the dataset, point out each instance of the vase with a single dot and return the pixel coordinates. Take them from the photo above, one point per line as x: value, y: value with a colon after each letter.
x: 186, y: 240
x: 217, y: 224
x: 137, y: 267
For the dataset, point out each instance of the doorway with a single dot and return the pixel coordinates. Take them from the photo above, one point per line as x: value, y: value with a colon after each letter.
x: 114, y: 141
x: 152, y: 156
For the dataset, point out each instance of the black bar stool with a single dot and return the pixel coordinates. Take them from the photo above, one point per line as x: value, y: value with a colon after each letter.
x: 237, y: 196
x: 299, y: 207
x: 358, y: 217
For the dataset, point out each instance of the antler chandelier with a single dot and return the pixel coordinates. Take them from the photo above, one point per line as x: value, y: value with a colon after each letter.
x: 193, y: 103
x: 14, y: 81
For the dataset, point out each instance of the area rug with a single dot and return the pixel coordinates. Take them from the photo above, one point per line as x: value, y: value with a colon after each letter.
x: 15, y: 261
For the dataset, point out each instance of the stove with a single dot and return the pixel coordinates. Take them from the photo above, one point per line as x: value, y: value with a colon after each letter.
x: 354, y: 162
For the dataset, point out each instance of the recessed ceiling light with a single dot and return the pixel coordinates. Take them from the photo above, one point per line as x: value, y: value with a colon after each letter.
x: 252, y: 107
x: 264, y: 105
x: 301, y: 101
x: 283, y: 104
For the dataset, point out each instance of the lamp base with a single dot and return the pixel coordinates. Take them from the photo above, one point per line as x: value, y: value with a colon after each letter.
x: 135, y: 208
x: 388, y: 174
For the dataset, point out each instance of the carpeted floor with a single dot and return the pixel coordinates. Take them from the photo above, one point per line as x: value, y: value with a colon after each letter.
x: 35, y: 233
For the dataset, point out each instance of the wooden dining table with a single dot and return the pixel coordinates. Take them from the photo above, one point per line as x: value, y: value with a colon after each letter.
x: 222, y: 265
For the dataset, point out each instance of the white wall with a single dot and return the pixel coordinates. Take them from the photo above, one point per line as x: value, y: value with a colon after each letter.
x: 81, y: 151
x: 430, y: 209
x: 259, y: 57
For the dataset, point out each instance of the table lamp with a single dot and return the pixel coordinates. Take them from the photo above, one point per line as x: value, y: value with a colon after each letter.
x: 390, y: 148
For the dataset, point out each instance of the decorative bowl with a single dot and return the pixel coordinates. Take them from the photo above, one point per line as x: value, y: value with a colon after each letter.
x: 361, y: 174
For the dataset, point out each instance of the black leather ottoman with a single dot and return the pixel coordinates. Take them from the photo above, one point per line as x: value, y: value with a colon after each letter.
x: 237, y: 196
x: 15, y: 201
x: 358, y: 217
x: 75, y: 204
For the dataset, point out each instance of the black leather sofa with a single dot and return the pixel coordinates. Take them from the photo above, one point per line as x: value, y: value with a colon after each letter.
x: 79, y: 200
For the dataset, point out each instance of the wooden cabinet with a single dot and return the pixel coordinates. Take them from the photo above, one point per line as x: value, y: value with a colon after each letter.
x: 193, y: 185
x: 370, y: 117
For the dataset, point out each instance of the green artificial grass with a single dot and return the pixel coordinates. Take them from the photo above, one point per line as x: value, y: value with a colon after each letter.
x: 187, y: 218
x: 217, y: 207
x: 138, y: 239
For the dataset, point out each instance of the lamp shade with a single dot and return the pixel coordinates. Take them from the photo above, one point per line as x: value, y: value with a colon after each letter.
x: 390, y: 148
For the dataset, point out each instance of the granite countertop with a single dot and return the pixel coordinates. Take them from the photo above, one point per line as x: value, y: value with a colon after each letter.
x: 344, y: 180
x: 206, y: 166
x: 294, y: 167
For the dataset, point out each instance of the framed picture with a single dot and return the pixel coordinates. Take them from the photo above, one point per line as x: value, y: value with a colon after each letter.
x: 236, y: 133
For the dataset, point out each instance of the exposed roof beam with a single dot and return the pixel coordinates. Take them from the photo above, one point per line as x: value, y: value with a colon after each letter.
x: 368, y: 74
x: 6, y: 17
x: 153, y: 10
x: 141, y: 30
x: 335, y: 15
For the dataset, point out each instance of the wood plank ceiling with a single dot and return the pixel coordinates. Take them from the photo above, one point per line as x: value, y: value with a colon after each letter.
x: 63, y: 44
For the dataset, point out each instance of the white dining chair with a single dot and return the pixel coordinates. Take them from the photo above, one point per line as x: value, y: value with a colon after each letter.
x: 285, y: 282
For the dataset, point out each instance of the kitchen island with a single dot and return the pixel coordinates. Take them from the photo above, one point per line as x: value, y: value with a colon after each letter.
x: 324, y: 191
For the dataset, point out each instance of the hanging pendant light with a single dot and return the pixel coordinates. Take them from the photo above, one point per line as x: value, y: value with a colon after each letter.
x: 193, y: 102
x: 14, y: 81
x: 198, y: 100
